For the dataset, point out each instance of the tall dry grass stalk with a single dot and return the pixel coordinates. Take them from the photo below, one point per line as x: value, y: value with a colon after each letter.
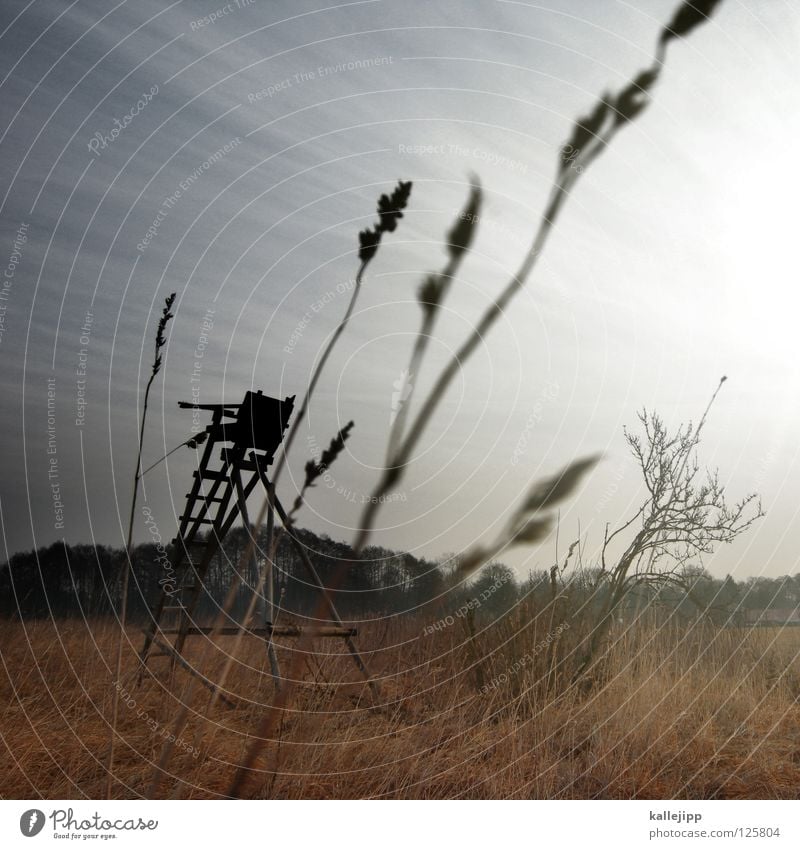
x: 160, y: 342
x: 390, y: 211
x: 590, y: 137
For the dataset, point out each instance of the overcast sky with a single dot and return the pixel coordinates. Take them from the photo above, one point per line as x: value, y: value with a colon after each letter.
x: 273, y: 128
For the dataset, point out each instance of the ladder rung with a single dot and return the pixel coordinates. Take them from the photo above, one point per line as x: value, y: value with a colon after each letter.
x: 196, y: 520
x: 276, y: 631
x: 209, y: 499
x: 319, y: 631
x: 253, y: 464
x: 209, y: 475
x: 249, y: 466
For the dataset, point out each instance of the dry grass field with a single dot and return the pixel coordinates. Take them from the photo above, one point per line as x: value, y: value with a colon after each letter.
x: 690, y: 712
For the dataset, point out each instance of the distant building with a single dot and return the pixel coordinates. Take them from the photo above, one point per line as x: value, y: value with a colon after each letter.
x: 773, y: 616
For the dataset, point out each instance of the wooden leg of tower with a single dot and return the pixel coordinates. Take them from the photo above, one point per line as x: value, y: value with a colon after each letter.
x: 187, y: 599
x: 269, y: 595
x: 152, y: 629
x: 176, y: 658
x: 241, y: 496
x: 322, y: 589
x: 149, y: 635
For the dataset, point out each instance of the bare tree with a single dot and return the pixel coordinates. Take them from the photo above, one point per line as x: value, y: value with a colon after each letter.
x: 684, y: 516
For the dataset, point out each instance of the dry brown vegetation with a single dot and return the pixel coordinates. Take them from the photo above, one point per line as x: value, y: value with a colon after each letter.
x: 676, y: 711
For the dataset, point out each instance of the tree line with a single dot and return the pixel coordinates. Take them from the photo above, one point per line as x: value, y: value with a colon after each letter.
x: 63, y: 580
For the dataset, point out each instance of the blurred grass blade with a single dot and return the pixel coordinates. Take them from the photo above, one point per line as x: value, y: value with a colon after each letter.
x: 552, y: 490
x: 460, y: 236
x: 688, y: 16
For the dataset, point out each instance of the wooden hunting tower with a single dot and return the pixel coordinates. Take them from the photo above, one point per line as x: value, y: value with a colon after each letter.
x: 247, y: 435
